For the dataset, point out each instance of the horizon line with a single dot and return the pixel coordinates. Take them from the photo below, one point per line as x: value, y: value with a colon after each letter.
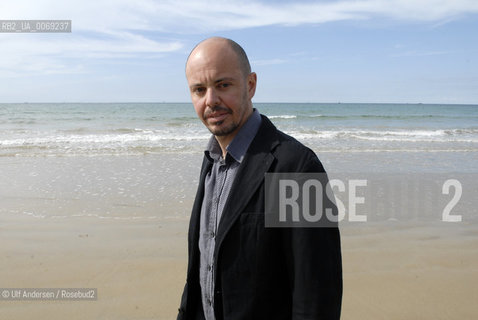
x: 257, y: 102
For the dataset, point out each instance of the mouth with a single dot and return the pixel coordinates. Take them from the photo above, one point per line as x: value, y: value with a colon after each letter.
x: 217, y: 116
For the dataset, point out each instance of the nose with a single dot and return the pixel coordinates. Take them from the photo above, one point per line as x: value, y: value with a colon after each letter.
x: 212, y: 98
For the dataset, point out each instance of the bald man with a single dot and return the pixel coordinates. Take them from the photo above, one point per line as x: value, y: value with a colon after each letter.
x: 238, y: 268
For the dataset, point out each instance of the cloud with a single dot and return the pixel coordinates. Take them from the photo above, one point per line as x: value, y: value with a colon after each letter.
x: 192, y: 16
x: 268, y: 62
x: 421, y: 53
x: 125, y: 28
x: 209, y: 16
x: 55, y: 53
x: 100, y: 29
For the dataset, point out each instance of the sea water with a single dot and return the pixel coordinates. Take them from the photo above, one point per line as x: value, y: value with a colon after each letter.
x: 69, y: 129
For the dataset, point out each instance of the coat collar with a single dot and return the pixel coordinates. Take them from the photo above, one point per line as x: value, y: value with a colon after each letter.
x: 256, y: 163
x: 251, y: 174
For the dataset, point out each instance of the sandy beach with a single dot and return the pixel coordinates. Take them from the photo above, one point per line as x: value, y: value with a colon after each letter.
x: 410, y: 272
x: 139, y: 268
x: 124, y: 233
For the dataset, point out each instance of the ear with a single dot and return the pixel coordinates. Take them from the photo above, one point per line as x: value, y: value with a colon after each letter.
x: 251, y: 84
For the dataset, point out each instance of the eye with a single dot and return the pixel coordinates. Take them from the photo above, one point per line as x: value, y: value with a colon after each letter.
x: 224, y: 85
x: 199, y: 90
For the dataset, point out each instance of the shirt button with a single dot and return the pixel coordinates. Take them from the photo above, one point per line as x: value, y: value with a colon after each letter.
x: 213, y: 234
x: 209, y: 267
x: 209, y: 301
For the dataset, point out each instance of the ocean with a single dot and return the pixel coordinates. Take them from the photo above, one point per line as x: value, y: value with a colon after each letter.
x: 92, y: 129
x: 142, y: 160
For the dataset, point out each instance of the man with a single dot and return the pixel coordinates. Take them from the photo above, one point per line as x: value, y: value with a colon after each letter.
x: 238, y: 268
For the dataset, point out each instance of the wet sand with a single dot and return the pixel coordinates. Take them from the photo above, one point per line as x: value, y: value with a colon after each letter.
x: 127, y: 238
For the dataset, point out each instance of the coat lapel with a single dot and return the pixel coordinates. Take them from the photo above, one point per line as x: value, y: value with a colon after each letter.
x: 251, y: 174
x: 193, y: 248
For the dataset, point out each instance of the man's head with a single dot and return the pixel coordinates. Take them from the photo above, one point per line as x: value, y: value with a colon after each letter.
x: 221, y: 85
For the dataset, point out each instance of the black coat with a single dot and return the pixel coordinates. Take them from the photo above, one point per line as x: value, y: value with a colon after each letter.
x: 265, y: 273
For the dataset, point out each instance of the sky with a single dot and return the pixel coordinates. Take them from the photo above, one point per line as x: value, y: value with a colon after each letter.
x: 364, y: 51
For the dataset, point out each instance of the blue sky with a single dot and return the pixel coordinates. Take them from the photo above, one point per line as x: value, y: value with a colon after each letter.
x: 404, y: 51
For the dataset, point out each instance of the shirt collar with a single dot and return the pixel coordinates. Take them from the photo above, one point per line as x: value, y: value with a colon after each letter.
x: 239, y: 145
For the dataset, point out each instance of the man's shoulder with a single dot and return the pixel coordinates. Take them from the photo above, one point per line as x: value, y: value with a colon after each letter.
x: 290, y: 147
x: 290, y: 153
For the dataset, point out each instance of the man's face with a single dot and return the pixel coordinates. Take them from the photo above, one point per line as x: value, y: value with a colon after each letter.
x: 220, y: 92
